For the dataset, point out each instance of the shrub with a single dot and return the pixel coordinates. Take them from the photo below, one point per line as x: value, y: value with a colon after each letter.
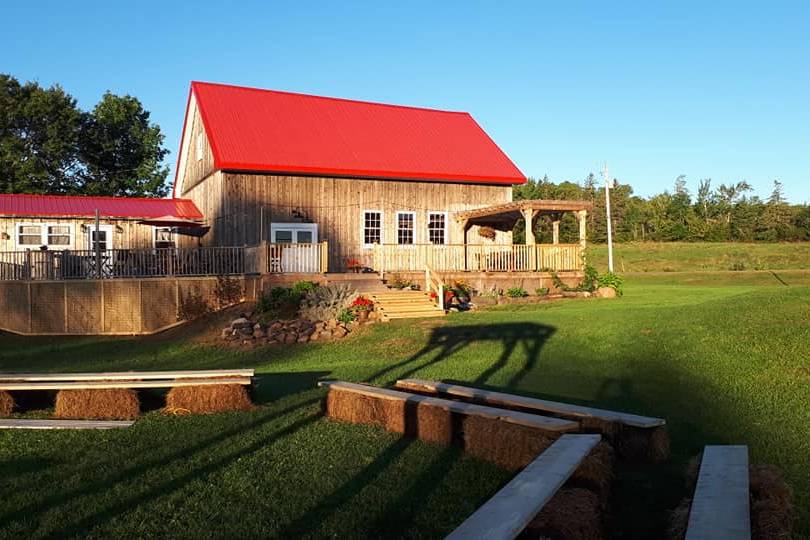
x: 279, y: 302
x: 611, y: 280
x: 462, y: 288
x: 397, y: 281
x: 516, y: 292
x: 346, y: 315
x: 738, y: 266
x: 326, y: 303
x: 304, y: 287
x: 541, y: 291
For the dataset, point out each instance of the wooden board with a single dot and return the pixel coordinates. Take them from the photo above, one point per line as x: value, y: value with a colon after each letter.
x: 14, y: 423
x: 94, y: 385
x: 506, y: 514
x: 511, y: 400
x: 126, y: 375
x: 720, y: 508
x: 514, y: 417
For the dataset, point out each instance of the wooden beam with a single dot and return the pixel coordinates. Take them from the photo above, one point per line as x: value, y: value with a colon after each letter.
x: 538, y: 205
x: 505, y: 515
x: 125, y: 375
x: 91, y: 385
x: 720, y: 508
x: 514, y: 417
x: 500, y: 399
x: 21, y: 423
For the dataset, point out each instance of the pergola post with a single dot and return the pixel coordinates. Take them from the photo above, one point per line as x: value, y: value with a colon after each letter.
x: 582, y: 215
x: 528, y: 217
x: 555, y: 230
x: 465, y: 226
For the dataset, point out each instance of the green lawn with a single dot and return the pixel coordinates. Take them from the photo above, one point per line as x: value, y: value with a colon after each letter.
x: 723, y: 356
x: 690, y: 257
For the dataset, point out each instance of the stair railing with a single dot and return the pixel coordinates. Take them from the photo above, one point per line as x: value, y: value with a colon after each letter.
x: 434, y: 283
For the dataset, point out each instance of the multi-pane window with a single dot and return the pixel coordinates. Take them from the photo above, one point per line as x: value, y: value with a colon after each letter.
x: 29, y: 235
x: 59, y: 235
x: 52, y: 235
x: 164, y: 237
x: 405, y: 227
x: 437, y: 228
x: 372, y: 227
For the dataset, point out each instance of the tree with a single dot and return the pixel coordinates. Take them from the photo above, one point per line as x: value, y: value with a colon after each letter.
x: 39, y: 131
x: 121, y: 150
x: 776, y: 217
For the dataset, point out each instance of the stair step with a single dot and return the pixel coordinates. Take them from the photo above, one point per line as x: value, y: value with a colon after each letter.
x: 415, y: 315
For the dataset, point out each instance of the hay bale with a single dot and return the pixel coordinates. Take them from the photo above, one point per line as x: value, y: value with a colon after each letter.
x: 203, y: 399
x: 679, y: 520
x: 649, y: 445
x: 362, y: 409
x: 596, y: 472
x: 433, y: 423
x: 6, y: 403
x: 97, y: 404
x: 771, y: 504
x: 572, y: 514
x: 511, y: 446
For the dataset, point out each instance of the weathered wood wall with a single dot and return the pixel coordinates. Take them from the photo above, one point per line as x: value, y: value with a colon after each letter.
x: 240, y: 208
x: 194, y: 170
x: 127, y: 234
x: 117, y: 307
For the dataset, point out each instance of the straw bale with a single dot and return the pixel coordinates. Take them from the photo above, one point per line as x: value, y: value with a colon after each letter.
x: 572, y: 514
x: 97, y: 404
x: 203, y: 399
x: 509, y: 445
x: 6, y: 403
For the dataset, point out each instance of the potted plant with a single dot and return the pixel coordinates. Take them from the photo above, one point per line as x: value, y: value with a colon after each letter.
x: 362, y: 306
x: 449, y: 294
x: 354, y: 265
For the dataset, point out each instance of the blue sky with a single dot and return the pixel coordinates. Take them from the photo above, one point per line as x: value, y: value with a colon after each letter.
x: 705, y: 89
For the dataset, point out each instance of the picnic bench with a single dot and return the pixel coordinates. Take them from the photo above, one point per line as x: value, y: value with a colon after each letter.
x: 509, y: 511
x: 513, y: 401
x: 720, y: 508
x: 36, y: 423
x: 123, y: 379
x: 468, y: 409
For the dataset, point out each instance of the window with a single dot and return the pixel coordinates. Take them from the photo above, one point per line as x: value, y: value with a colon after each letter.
x: 437, y: 227
x: 283, y: 236
x: 405, y: 227
x: 52, y: 235
x: 200, y: 147
x: 372, y: 227
x: 164, y: 237
x: 29, y: 235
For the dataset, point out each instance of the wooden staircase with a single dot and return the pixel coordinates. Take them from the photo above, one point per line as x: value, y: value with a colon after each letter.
x: 405, y: 304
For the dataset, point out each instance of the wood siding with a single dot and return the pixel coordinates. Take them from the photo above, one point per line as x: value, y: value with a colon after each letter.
x: 194, y: 170
x: 240, y: 208
x: 127, y: 234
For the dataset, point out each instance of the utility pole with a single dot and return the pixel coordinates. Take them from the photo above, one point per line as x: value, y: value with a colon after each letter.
x: 608, y: 185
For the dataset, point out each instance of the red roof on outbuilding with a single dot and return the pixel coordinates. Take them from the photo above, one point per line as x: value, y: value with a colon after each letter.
x: 269, y: 131
x: 81, y: 206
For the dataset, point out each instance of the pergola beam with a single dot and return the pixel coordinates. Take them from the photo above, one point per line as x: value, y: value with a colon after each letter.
x: 517, y: 208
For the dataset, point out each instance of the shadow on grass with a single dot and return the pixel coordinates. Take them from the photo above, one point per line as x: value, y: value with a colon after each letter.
x: 446, y: 341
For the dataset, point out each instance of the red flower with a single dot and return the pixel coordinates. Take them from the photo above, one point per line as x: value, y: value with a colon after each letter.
x: 362, y: 304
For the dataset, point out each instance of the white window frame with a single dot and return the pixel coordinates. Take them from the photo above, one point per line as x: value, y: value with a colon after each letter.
x: 295, y: 228
x: 109, y: 228
x: 43, y: 236
x: 155, y: 232
x: 446, y: 227
x: 413, y: 230
x: 363, y: 227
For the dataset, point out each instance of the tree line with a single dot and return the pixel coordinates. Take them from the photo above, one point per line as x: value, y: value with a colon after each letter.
x: 49, y: 145
x: 727, y: 212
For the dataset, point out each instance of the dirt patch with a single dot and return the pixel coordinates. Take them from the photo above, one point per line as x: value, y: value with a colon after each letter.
x: 100, y: 404
x: 205, y: 399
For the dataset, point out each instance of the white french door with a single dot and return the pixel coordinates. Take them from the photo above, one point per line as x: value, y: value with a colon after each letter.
x: 297, y: 251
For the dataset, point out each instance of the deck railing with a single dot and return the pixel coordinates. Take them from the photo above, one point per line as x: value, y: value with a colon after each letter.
x: 121, y: 263
x: 477, y: 257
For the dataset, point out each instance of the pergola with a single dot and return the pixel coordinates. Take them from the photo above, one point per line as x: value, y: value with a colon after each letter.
x: 503, y: 217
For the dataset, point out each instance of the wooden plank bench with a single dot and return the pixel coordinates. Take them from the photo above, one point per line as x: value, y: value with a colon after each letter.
x: 500, y: 399
x: 720, y: 508
x: 24, y: 423
x: 507, y: 513
x: 513, y: 417
x: 123, y: 379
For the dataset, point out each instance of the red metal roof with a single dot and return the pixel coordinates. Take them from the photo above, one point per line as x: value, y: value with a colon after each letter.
x: 269, y: 131
x: 80, y: 206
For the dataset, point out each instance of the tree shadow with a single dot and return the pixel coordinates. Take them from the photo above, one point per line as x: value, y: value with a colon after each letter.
x: 446, y: 341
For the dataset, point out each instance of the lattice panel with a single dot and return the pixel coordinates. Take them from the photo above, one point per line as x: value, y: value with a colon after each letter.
x: 121, y: 301
x: 83, y: 307
x: 158, y: 304
x: 48, y: 307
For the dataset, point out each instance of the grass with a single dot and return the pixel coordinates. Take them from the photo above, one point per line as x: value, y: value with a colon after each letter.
x: 722, y: 356
x: 689, y: 257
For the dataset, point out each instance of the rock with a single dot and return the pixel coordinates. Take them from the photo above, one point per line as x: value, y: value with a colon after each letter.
x: 259, y: 333
x: 272, y: 342
x: 331, y: 323
x: 340, y: 332
x: 257, y: 326
x: 315, y: 336
x: 241, y: 323
x: 227, y: 332
x: 303, y: 339
x: 605, y: 292
x: 326, y: 334
x: 276, y: 326
x: 308, y: 331
x: 292, y: 337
